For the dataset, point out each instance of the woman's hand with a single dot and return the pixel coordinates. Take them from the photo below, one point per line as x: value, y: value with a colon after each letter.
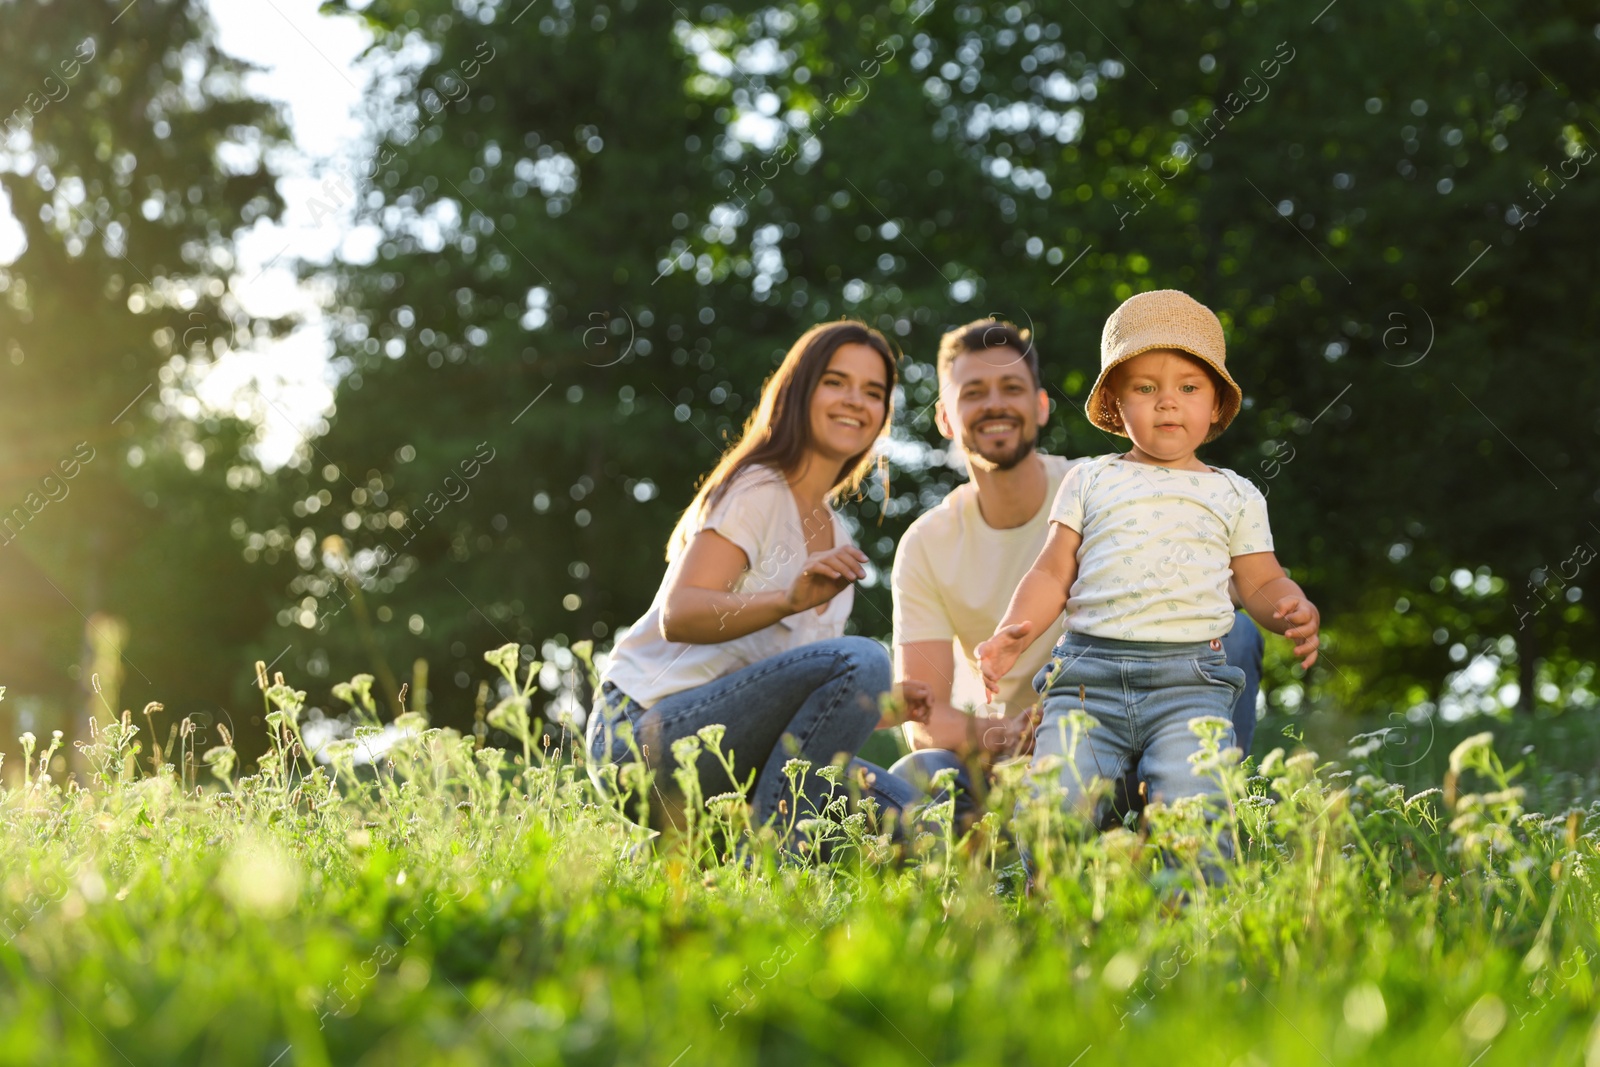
x: 825, y: 575
x: 999, y: 654
x: 907, y: 701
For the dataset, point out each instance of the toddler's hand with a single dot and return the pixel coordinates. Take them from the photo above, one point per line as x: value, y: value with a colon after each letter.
x: 1304, y: 622
x: 999, y: 654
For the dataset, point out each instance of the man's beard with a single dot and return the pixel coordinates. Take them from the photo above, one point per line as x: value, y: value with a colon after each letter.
x: 1007, y: 460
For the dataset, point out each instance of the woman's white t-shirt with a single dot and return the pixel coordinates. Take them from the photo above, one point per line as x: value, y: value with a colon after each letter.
x: 1157, y: 549
x: 758, y: 513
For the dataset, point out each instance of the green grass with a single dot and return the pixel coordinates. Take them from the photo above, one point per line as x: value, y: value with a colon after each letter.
x: 473, y: 907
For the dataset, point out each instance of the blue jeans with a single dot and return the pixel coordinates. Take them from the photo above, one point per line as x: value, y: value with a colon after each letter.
x: 917, y: 770
x: 1142, y: 696
x: 1244, y: 646
x: 818, y: 702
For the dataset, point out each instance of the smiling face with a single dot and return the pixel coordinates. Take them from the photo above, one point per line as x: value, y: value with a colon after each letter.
x: 1168, y: 404
x: 991, y: 403
x: 850, y: 402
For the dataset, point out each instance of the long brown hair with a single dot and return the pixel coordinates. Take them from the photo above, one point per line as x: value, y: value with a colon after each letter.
x: 779, y: 429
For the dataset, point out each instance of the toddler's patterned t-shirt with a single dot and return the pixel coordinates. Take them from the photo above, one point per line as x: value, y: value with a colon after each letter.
x: 1157, y: 546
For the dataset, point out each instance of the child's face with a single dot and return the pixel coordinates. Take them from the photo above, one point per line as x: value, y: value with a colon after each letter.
x: 1167, y: 403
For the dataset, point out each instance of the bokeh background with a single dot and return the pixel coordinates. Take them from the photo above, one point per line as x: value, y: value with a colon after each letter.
x: 369, y: 337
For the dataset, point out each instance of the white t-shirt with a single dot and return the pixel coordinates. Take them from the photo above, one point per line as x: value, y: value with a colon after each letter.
x: 953, y: 579
x: 1157, y: 548
x: 758, y: 513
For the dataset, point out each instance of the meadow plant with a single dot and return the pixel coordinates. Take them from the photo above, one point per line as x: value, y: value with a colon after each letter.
x: 450, y: 901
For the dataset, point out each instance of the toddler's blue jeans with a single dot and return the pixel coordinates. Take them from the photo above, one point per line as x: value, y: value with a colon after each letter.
x: 1142, y: 697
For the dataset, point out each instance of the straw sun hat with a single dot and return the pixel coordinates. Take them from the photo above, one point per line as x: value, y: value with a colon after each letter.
x: 1164, y: 318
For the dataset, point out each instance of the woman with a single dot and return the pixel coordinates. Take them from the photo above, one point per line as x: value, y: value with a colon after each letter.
x: 747, y: 628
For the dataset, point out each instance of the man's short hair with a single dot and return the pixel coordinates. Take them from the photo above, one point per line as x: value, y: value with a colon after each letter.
x: 982, y: 335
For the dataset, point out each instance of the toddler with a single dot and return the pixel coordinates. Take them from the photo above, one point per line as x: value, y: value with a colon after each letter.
x: 1141, y: 550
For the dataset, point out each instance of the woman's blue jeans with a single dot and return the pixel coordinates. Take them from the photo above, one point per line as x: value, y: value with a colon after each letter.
x: 818, y: 702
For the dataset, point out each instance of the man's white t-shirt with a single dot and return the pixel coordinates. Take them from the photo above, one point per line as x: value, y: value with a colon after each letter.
x: 1157, y: 547
x: 758, y: 513
x: 953, y: 578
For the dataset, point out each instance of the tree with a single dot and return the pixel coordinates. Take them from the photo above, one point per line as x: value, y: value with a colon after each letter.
x: 131, y: 156
x: 590, y: 271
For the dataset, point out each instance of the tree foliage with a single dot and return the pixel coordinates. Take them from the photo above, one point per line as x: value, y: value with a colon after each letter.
x: 599, y: 249
x: 131, y: 155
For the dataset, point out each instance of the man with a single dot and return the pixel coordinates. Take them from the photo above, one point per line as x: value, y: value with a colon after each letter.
x: 958, y: 564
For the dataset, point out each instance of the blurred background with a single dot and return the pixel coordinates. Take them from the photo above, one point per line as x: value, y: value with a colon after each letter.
x: 364, y: 338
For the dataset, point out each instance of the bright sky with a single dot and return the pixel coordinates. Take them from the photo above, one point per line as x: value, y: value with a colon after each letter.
x: 308, y: 65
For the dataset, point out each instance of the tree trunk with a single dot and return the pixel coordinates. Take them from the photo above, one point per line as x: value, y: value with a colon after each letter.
x: 1527, y: 650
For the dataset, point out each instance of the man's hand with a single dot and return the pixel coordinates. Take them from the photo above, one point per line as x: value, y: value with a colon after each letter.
x: 1305, y: 620
x: 999, y: 654
x: 907, y: 701
x: 1013, y: 736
